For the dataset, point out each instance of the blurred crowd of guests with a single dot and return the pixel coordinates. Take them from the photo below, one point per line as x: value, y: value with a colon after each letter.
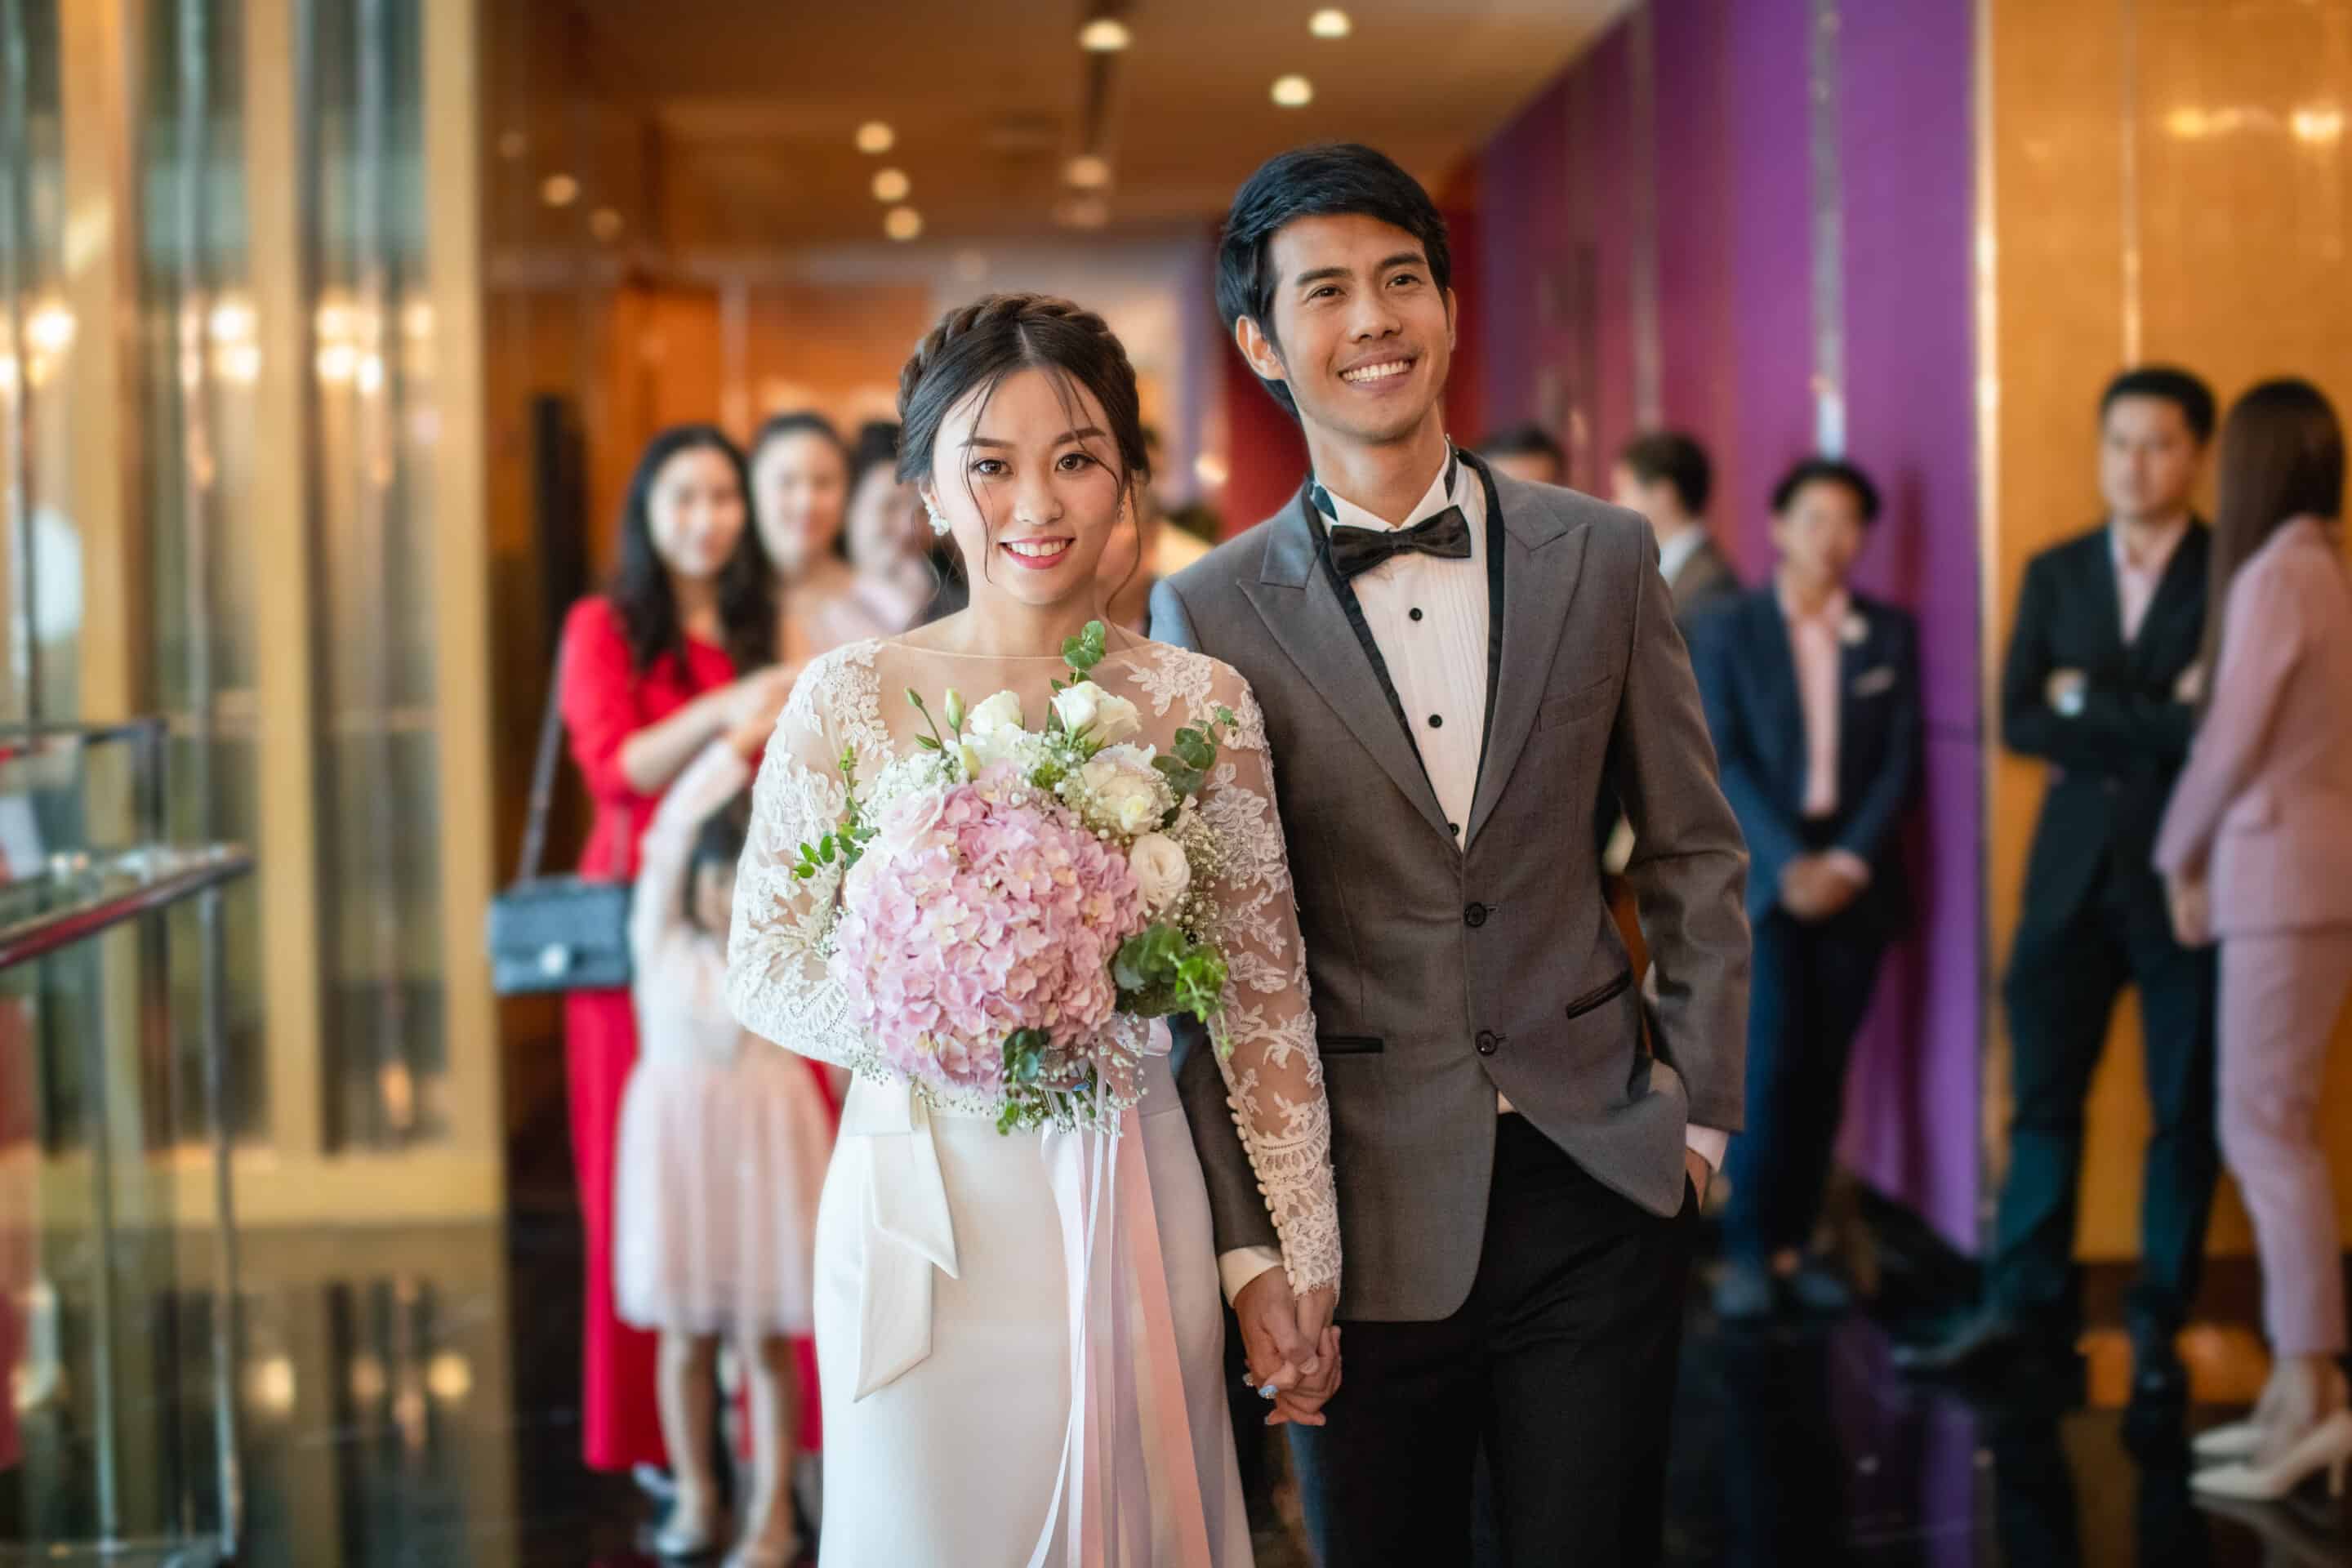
x: 2185, y: 683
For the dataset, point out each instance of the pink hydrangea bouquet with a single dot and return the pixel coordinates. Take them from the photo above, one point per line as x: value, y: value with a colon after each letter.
x: 1020, y: 902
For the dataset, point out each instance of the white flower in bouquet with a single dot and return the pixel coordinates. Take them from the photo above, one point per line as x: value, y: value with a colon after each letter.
x: 994, y: 728
x: 1113, y: 719
x: 1161, y: 872
x: 1122, y: 791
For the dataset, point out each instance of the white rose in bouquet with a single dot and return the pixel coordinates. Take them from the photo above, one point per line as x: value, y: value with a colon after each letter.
x: 994, y: 729
x: 1124, y: 790
x: 1114, y: 719
x: 1160, y: 871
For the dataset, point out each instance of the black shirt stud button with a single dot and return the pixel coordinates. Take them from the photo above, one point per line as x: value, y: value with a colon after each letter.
x: 1489, y: 1042
x: 1476, y: 915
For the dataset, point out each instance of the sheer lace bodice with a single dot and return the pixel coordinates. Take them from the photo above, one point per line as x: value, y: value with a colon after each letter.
x: 851, y: 704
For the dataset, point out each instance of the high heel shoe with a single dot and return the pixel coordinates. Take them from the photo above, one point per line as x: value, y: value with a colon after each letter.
x: 2327, y: 1446
x: 2238, y: 1440
x: 683, y: 1542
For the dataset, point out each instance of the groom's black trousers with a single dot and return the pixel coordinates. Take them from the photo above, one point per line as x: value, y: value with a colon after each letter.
x: 1561, y: 1362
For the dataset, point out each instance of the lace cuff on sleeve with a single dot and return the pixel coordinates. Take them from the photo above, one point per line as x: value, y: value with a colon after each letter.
x: 777, y: 978
x: 1265, y: 1037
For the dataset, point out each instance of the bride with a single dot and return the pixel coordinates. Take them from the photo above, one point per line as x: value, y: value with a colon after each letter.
x: 1002, y: 1386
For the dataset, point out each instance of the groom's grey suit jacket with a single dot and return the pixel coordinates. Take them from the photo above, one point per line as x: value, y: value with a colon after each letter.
x: 1443, y: 974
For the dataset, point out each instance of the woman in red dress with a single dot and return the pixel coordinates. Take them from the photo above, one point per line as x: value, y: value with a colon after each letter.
x: 677, y: 651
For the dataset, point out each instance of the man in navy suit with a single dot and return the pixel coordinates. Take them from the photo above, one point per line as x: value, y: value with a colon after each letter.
x: 1813, y: 694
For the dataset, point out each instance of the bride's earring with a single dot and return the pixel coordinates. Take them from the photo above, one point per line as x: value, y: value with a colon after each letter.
x: 940, y: 525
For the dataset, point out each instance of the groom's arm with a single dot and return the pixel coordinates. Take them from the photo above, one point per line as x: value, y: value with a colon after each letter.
x: 1689, y: 865
x: 1245, y: 1239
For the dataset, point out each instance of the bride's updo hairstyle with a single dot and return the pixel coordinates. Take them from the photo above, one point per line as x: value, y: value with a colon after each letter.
x: 976, y: 346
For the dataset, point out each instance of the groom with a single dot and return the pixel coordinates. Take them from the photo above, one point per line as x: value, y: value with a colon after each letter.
x: 1456, y: 669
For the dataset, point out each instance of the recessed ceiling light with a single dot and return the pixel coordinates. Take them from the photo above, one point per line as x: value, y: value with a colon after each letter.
x: 1105, y: 36
x: 559, y: 190
x: 891, y: 185
x: 1330, y: 22
x: 605, y: 223
x: 1293, y: 91
x: 874, y: 136
x: 902, y: 223
x: 1087, y: 172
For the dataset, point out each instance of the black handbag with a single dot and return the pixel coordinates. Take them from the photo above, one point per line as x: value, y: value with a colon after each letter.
x: 555, y: 933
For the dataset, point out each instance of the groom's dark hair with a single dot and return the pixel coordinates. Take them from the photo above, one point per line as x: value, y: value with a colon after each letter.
x: 1326, y: 181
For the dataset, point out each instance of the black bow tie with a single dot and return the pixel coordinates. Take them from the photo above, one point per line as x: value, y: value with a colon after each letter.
x: 1444, y: 534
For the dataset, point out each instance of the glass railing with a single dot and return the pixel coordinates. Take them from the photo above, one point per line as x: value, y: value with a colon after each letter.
x: 117, y: 1257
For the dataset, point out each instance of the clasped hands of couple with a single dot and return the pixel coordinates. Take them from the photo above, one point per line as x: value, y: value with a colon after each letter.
x: 1293, y: 1346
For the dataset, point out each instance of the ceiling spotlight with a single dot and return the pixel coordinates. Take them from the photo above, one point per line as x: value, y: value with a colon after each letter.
x: 559, y: 190
x: 874, y: 136
x: 605, y: 223
x: 1083, y: 212
x: 902, y: 223
x: 1105, y: 36
x: 891, y: 185
x: 1293, y: 91
x: 1087, y: 172
x: 1330, y: 22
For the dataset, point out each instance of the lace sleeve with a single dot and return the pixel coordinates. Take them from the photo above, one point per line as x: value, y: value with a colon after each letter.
x: 777, y: 981
x: 1265, y: 1036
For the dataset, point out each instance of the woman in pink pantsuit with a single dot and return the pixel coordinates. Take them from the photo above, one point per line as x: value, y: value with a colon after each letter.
x: 2257, y: 851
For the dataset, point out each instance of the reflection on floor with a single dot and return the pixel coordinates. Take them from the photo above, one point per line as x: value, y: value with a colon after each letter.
x: 408, y: 1401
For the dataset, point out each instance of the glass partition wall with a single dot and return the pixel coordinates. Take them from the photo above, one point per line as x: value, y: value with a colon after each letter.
x: 241, y: 495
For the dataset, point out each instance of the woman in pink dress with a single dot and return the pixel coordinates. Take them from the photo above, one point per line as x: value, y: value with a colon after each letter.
x: 675, y: 653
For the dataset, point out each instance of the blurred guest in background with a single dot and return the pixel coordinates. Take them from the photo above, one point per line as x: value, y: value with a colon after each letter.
x: 677, y: 652
x: 799, y: 496
x: 1666, y: 478
x: 2257, y: 850
x: 1813, y: 694
x: 724, y: 1144
x: 2100, y: 679
x: 1526, y: 452
x: 904, y: 569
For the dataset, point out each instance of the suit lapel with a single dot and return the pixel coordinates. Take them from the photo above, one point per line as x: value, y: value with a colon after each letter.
x: 1775, y: 666
x: 1541, y: 556
x: 1295, y: 596
x: 2176, y: 591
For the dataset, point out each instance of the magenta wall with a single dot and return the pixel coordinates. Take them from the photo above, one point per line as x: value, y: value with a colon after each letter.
x: 1727, y: 152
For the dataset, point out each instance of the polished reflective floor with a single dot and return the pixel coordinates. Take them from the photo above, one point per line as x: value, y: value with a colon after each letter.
x: 407, y: 1400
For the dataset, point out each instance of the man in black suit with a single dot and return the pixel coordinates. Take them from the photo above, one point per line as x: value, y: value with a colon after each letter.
x: 1665, y: 477
x: 2101, y: 682
x: 1813, y: 696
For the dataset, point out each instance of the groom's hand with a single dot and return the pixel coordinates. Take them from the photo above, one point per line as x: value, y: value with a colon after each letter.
x: 1700, y: 1172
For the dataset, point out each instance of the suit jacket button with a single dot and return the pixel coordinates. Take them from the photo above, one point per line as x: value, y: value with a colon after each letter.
x: 1489, y: 1042
x: 1476, y: 915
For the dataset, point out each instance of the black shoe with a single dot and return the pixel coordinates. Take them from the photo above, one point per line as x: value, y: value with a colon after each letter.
x: 2159, y: 1381
x: 1816, y: 1289
x: 1985, y: 1341
x: 1743, y: 1294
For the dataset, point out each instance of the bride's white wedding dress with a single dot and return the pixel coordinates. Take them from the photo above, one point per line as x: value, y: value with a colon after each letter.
x: 969, y: 1283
